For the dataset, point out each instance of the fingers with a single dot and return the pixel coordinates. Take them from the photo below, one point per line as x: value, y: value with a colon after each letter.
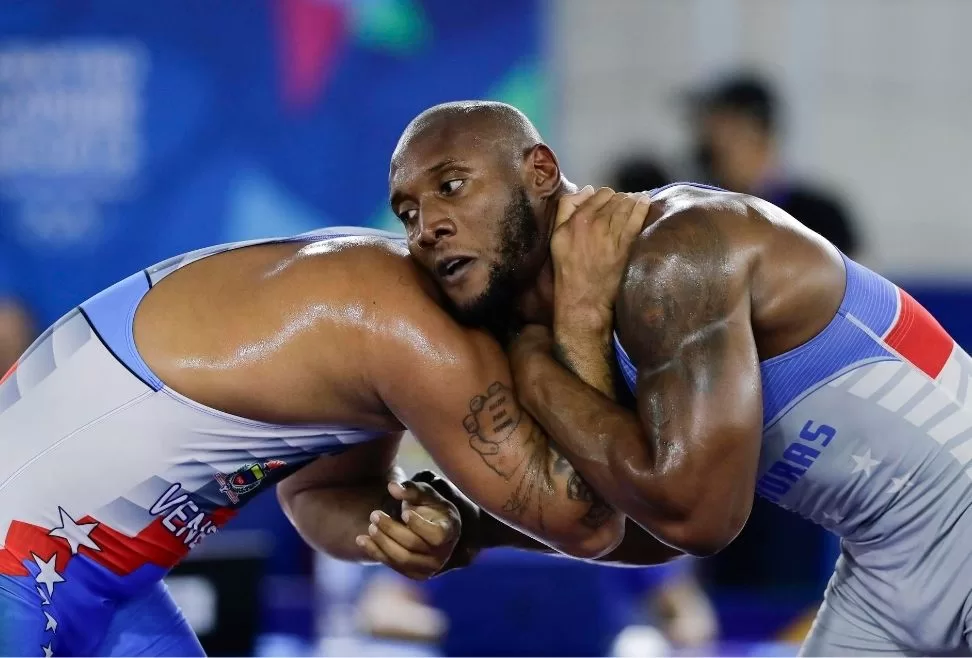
x: 568, y: 203
x: 399, y: 557
x: 431, y: 526
x: 582, y: 205
x: 620, y: 211
x: 399, y: 533
x: 628, y: 217
x: 635, y: 222
x: 397, y: 491
x: 415, y: 493
x: 376, y: 554
x: 589, y: 208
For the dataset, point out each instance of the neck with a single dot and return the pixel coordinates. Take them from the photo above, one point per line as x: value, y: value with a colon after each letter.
x: 535, y: 304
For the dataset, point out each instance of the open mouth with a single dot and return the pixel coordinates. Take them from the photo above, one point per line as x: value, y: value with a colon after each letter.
x: 450, y: 269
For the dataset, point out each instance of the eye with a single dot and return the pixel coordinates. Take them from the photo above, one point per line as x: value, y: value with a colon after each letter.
x: 407, y: 215
x: 451, y: 186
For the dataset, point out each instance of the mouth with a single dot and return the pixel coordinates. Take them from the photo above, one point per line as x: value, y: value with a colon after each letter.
x: 451, y: 269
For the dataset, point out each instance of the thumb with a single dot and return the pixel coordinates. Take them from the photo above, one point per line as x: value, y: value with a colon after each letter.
x: 406, y: 492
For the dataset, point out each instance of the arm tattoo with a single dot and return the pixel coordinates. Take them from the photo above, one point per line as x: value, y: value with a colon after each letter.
x: 492, y: 424
x: 599, y: 512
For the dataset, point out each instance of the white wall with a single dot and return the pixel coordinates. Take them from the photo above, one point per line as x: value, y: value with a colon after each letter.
x: 879, y: 96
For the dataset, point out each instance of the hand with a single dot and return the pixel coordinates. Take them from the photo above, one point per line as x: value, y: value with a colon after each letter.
x: 593, y: 232
x: 421, y: 544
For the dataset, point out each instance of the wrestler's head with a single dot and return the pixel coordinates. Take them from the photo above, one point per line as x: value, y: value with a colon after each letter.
x: 472, y: 182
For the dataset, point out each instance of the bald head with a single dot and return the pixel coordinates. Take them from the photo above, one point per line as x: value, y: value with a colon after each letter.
x: 472, y: 182
x: 497, y: 127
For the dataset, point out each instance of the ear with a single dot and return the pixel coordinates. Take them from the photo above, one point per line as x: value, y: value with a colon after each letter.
x: 541, y: 171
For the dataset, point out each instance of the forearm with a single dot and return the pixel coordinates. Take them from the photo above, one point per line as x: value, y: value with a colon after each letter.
x: 601, y: 439
x: 586, y: 352
x: 329, y: 518
x: 638, y: 549
x: 550, y: 500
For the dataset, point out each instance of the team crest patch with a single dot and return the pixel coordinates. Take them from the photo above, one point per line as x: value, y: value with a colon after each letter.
x: 246, y: 478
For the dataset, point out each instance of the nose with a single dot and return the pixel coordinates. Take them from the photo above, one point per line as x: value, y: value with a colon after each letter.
x: 434, y: 226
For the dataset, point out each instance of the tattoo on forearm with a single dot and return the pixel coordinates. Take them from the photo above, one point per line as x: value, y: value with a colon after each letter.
x: 494, y: 419
x: 599, y: 511
x: 535, y: 478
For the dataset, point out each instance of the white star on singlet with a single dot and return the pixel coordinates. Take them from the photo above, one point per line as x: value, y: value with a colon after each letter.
x: 76, y: 534
x: 48, y: 575
x: 897, y: 484
x: 47, y: 650
x: 51, y: 622
x: 864, y: 463
x: 43, y: 595
x: 833, y: 517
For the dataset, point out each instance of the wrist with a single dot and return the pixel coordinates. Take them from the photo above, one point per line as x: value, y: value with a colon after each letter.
x: 572, y: 323
x: 471, y: 539
x: 528, y: 369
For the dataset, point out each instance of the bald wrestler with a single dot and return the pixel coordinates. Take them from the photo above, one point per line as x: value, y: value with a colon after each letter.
x: 758, y: 358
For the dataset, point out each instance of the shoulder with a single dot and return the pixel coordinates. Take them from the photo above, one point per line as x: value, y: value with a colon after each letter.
x: 682, y: 269
x: 688, y: 239
x: 400, y: 307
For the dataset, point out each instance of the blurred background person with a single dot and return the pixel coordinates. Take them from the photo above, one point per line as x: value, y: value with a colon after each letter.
x: 639, y: 172
x: 737, y: 125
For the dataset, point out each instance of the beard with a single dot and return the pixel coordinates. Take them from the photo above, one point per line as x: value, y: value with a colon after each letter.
x: 495, y: 308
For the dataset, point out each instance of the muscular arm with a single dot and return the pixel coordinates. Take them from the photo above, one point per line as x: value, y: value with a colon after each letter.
x: 452, y: 387
x: 683, y: 467
x: 586, y: 351
x: 329, y: 500
x: 637, y: 549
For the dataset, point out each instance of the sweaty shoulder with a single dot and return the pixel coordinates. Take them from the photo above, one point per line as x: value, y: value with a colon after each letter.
x: 708, y: 249
x: 688, y: 264
x: 403, y: 311
x: 691, y: 232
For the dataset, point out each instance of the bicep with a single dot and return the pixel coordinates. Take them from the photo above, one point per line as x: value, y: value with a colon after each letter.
x: 698, y: 388
x: 708, y: 387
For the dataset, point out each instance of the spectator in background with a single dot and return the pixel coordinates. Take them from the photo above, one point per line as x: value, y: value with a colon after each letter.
x: 737, y: 126
x: 639, y: 173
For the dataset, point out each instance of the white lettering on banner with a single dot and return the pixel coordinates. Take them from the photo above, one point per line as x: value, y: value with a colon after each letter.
x: 70, y: 134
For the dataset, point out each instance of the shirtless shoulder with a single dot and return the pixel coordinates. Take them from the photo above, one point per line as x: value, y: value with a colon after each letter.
x: 739, y: 245
x: 285, y: 332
